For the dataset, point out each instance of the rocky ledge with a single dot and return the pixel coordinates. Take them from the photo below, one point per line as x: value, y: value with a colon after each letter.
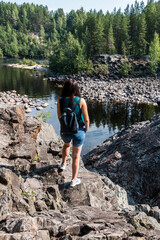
x: 37, y: 202
x: 131, y: 159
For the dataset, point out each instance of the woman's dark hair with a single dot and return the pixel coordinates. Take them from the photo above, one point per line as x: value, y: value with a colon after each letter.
x: 70, y: 89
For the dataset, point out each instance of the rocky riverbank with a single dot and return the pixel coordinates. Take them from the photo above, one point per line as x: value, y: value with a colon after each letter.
x: 37, y: 202
x: 12, y: 98
x: 139, y: 87
x: 133, y: 90
x: 110, y: 86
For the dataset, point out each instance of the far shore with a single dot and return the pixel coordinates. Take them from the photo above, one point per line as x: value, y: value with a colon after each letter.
x: 36, y: 67
x: 106, y: 88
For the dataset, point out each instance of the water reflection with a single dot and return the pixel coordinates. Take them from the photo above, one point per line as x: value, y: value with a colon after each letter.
x: 119, y: 115
x: 24, y: 82
x: 109, y: 118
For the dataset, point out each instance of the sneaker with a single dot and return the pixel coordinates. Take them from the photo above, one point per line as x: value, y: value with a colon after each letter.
x: 76, y: 182
x: 62, y: 166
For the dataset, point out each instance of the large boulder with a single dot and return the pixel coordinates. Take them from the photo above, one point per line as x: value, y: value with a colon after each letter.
x: 131, y: 159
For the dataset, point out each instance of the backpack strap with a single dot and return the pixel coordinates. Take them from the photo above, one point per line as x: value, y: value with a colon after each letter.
x: 69, y: 103
x: 76, y: 104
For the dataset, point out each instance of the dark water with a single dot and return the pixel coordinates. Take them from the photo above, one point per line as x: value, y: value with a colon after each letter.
x: 105, y: 119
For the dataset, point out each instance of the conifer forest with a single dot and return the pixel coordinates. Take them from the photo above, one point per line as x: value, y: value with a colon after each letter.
x: 32, y: 31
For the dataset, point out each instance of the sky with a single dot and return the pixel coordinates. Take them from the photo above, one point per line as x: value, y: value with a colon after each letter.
x: 68, y: 5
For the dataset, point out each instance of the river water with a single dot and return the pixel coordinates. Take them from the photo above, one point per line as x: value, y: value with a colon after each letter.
x: 105, y: 119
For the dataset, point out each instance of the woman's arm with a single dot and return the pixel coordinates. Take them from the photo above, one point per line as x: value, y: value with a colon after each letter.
x: 83, y: 107
x: 58, y: 110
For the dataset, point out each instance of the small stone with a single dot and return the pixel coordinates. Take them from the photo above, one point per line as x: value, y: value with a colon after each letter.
x: 44, y: 105
x: 118, y: 155
x: 39, y: 108
x: 28, y: 110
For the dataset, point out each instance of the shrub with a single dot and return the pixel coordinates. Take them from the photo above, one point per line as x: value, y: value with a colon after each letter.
x: 89, y: 67
x: 28, y: 62
x: 154, y: 54
x: 101, y: 69
x: 126, y: 69
x: 1, y: 52
x: 44, y: 115
x: 69, y: 57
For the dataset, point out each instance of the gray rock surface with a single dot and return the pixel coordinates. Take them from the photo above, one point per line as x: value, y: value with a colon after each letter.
x: 131, y: 159
x: 37, y: 202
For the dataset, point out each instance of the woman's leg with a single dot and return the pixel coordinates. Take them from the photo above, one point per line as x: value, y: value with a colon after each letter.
x: 76, y: 151
x: 65, y: 152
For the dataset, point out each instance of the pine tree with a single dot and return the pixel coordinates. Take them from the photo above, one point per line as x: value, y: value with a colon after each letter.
x: 150, y: 14
x: 106, y: 29
x: 117, y: 20
x: 134, y: 16
x: 60, y: 20
x: 1, y: 52
x: 15, y: 15
x: 69, y: 57
x: 99, y: 35
x: 125, y: 38
x: 90, y: 34
x: 72, y: 20
x: 157, y: 17
x: 81, y: 24
x: 141, y: 48
x: 110, y: 41
x: 154, y: 53
x: 42, y: 32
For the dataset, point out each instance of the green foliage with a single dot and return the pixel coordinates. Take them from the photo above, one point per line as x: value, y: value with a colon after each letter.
x: 1, y: 53
x: 126, y: 69
x: 42, y: 32
x: 89, y: 67
x: 110, y: 41
x: 141, y: 41
x: 28, y: 194
x: 100, y: 69
x: 154, y: 54
x: 69, y: 57
x: 27, y: 62
x: 32, y: 31
x: 44, y: 115
x: 35, y: 159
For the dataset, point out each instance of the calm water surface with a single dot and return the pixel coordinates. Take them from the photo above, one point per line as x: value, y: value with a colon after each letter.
x: 105, y: 119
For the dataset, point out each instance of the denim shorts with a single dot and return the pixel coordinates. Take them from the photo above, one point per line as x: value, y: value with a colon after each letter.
x: 77, y: 138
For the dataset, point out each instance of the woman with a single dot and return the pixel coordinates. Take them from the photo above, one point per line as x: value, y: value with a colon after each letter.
x: 71, y: 96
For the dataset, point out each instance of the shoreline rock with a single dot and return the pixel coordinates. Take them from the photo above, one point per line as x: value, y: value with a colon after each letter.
x: 11, y: 98
x: 37, y: 202
x: 105, y: 89
x: 36, y: 67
